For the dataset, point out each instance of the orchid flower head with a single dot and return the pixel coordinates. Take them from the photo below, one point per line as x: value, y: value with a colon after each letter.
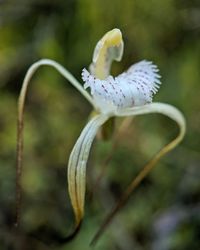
x: 128, y: 94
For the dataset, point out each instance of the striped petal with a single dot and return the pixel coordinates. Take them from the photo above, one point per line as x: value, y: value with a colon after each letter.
x: 77, y: 165
x: 21, y: 104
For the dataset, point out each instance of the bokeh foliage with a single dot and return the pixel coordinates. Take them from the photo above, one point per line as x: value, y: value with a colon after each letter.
x: 164, y: 212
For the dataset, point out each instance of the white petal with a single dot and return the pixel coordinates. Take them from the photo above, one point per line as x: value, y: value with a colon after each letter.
x: 77, y: 165
x: 21, y: 103
x: 161, y: 108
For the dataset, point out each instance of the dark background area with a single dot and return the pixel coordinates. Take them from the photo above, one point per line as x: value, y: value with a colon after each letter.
x: 164, y: 212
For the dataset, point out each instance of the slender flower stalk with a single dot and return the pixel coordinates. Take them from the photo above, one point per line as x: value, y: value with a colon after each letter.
x: 127, y: 95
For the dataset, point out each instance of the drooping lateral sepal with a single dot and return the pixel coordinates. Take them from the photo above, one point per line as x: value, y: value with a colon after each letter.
x: 77, y: 165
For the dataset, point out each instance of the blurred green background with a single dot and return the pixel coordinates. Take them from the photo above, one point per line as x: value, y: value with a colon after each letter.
x: 164, y: 212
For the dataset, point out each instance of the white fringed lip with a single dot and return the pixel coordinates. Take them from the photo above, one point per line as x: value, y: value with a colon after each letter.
x: 135, y: 87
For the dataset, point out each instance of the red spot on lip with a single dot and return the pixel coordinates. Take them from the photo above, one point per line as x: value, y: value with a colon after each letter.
x: 112, y: 86
x: 104, y: 88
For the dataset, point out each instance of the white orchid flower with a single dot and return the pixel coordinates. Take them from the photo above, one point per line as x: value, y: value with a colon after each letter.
x: 129, y: 94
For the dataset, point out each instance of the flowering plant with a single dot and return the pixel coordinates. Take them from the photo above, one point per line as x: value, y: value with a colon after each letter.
x: 128, y: 94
